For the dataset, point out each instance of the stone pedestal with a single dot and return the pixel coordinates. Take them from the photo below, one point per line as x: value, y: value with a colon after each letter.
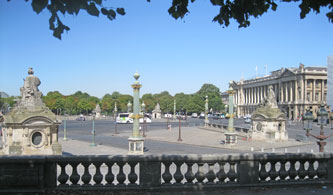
x: 30, y: 128
x: 135, y: 145
x: 230, y: 138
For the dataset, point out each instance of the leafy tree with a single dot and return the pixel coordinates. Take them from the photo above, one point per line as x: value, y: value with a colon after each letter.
x: 239, y: 10
x: 149, y: 102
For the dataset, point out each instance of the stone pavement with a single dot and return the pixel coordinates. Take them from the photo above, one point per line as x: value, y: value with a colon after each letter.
x: 190, y: 136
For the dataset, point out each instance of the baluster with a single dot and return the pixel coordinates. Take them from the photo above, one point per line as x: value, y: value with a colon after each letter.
x: 132, y: 177
x: 232, y: 175
x: 75, y: 177
x: 321, y: 171
x: 221, y: 174
x: 189, y: 176
x: 273, y: 174
x: 311, y: 171
x: 283, y: 173
x: 263, y: 174
x: 210, y: 175
x: 167, y: 175
x: 178, y: 174
x: 109, y: 177
x: 98, y: 177
x: 200, y: 176
x: 121, y: 177
x: 301, y: 171
x: 63, y: 177
x: 292, y: 171
x: 86, y: 177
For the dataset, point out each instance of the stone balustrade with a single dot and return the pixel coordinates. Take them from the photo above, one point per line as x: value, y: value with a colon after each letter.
x: 223, y: 127
x: 162, y: 172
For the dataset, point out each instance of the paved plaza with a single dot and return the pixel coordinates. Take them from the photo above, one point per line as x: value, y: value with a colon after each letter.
x: 159, y: 140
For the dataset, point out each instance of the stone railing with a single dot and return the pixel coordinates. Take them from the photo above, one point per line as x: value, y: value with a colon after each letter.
x: 222, y: 127
x: 162, y: 172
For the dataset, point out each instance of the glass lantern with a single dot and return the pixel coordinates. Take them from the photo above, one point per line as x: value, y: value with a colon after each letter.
x: 307, y: 120
x: 322, y: 115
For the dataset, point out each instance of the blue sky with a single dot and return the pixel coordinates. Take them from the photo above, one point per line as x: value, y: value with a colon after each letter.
x: 99, y: 56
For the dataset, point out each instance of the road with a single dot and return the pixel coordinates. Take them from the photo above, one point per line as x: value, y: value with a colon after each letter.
x: 81, y: 130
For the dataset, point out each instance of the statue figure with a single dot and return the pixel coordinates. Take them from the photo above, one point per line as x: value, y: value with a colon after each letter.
x: 270, y: 99
x: 30, y: 95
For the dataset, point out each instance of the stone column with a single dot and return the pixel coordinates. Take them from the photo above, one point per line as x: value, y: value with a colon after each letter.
x: 296, y: 91
x: 313, y: 89
x: 286, y: 92
x: 291, y: 91
x: 322, y: 90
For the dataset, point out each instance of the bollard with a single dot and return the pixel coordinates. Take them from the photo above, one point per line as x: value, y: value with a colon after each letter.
x: 273, y: 150
x: 262, y: 149
x: 252, y: 149
x: 311, y: 150
x: 285, y: 150
x: 298, y: 150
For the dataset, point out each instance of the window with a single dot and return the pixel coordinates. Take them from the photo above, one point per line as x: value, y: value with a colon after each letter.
x: 316, y: 96
x: 308, y: 96
x: 309, y: 84
x: 325, y: 96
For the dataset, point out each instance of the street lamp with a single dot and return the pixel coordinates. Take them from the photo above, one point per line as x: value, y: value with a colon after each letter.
x: 322, y: 116
x: 65, y: 129
x: 307, y: 121
x: 331, y: 120
x: 136, y: 141
x: 143, y: 107
x: 174, y: 109
x: 115, y: 118
x: 179, y: 132
x: 93, y: 132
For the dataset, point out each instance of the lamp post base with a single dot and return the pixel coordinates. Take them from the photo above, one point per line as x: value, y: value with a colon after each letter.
x: 321, y: 145
x: 135, y: 145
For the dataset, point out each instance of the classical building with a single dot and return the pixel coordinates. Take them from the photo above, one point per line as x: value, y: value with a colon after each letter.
x: 330, y: 81
x: 295, y: 89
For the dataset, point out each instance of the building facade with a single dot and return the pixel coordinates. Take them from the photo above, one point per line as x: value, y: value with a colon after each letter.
x: 295, y: 88
x: 330, y: 81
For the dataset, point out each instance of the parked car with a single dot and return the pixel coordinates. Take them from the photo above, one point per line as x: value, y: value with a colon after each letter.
x: 194, y: 115
x: 202, y: 116
x: 81, y: 118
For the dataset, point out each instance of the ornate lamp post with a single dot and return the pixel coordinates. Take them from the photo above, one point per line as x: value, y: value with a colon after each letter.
x: 93, y: 132
x: 174, y: 110
x: 115, y: 118
x: 206, y: 111
x: 231, y: 136
x: 129, y: 107
x: 65, y: 128
x: 322, y: 116
x: 143, y: 107
x: 135, y: 142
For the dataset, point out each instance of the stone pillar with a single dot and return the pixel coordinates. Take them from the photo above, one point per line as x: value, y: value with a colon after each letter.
x: 313, y: 89
x: 291, y: 91
x: 322, y: 90
x: 302, y: 89
x: 296, y: 91
x: 286, y: 92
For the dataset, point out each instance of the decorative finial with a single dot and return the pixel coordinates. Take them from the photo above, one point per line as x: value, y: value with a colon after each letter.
x: 136, y: 76
x: 30, y: 71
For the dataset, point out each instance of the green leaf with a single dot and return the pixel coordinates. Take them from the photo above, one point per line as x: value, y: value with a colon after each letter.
x: 104, y: 11
x: 121, y: 11
x: 92, y: 10
x: 112, y: 14
x: 39, y: 5
x: 274, y: 6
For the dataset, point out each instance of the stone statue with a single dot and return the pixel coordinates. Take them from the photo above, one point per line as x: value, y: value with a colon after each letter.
x: 30, y: 95
x: 270, y: 99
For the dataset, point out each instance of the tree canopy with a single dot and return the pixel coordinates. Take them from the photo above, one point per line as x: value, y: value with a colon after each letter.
x: 83, y: 103
x: 238, y: 10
